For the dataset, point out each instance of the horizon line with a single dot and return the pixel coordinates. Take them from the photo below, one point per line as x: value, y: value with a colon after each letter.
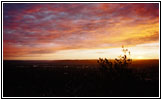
x: 69, y: 59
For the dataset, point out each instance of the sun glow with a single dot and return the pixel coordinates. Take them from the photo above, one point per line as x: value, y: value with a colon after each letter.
x: 143, y: 51
x: 139, y: 57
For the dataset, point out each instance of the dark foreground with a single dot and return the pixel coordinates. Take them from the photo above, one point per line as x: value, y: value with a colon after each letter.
x: 78, y: 79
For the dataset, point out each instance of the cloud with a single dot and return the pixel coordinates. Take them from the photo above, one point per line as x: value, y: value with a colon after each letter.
x: 41, y: 52
x: 29, y: 28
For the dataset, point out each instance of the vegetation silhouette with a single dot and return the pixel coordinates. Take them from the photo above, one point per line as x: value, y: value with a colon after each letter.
x: 117, y: 68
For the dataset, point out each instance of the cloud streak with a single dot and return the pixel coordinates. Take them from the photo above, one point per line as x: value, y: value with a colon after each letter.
x: 34, y: 28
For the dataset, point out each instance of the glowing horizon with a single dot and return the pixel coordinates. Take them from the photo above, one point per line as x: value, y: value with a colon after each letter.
x: 56, y: 31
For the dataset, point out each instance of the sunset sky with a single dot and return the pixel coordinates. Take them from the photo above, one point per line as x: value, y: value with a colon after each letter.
x: 54, y: 31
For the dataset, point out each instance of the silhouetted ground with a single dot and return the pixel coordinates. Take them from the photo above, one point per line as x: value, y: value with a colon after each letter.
x: 79, y: 78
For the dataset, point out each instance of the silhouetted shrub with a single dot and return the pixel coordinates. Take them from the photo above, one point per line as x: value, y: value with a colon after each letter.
x: 118, y: 67
x: 105, y: 64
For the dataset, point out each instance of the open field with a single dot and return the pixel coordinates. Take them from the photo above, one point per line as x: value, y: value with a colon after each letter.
x: 78, y: 78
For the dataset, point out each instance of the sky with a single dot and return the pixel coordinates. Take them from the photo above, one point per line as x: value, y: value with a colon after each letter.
x: 55, y: 31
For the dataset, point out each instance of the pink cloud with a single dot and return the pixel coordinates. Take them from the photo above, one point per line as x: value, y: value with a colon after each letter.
x: 29, y: 28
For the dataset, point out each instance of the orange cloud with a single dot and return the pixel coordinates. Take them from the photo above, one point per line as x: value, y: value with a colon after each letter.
x: 32, y: 30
